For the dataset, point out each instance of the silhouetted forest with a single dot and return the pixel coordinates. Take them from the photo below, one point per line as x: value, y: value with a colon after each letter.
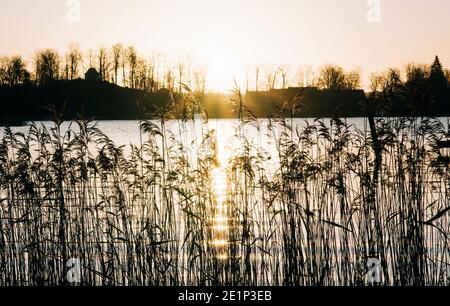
x: 126, y: 84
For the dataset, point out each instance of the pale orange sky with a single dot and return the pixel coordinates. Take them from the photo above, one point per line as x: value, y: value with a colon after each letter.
x: 231, y: 34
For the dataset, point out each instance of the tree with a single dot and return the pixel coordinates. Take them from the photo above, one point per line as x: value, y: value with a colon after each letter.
x: 3, y: 70
x: 332, y: 77
x: 271, y: 78
x: 416, y: 75
x: 438, y: 81
x: 124, y: 66
x: 300, y: 77
x: 439, y: 85
x: 376, y: 83
x: 13, y: 71
x: 417, y: 89
x: 91, y: 58
x: 46, y: 65
x: 142, y: 76
x: 132, y: 59
x: 284, y: 70
x: 200, y: 74
x: 353, y: 80
x: 392, y: 92
x: 64, y: 73
x: 17, y: 71
x: 103, y: 63
x: 74, y: 58
x: 304, y: 77
x: 154, y: 71
x: 116, y: 53
x: 257, y: 73
x: 392, y: 82
x: 183, y: 69
x: 169, y: 79
x: 310, y: 77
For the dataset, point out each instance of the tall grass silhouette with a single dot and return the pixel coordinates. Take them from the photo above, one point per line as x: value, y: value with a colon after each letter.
x: 151, y: 214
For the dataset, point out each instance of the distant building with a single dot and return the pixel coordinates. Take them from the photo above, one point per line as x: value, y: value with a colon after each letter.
x: 92, y: 75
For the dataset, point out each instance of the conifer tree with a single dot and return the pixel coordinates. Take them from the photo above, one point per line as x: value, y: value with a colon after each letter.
x: 438, y: 81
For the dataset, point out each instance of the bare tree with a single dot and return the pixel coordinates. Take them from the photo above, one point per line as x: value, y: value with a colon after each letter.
x: 90, y: 58
x: 304, y: 77
x: 142, y: 75
x: 180, y: 71
x: 353, y: 80
x: 284, y: 70
x: 416, y: 73
x: 169, y: 79
x: 447, y: 75
x: 376, y: 82
x: 46, y: 64
x: 103, y: 63
x: 158, y: 62
x: 13, y: 71
x: 116, y: 53
x: 74, y: 58
x: 247, y: 79
x: 310, y: 77
x: 153, y: 70
x: 124, y: 65
x: 200, y: 73
x: 3, y: 70
x: 64, y: 73
x: 132, y: 59
x: 299, y: 77
x: 331, y: 77
x: 392, y: 81
x: 257, y: 73
x: 183, y: 71
x: 392, y: 90
x: 271, y: 78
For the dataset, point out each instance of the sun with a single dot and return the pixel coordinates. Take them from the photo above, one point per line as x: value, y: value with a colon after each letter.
x: 220, y: 77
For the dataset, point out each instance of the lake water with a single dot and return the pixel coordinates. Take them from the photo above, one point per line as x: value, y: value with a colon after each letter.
x: 126, y: 132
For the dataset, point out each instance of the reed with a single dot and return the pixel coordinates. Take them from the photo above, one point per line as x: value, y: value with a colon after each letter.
x: 333, y: 197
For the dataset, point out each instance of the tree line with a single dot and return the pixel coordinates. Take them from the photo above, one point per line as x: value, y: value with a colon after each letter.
x: 418, y: 89
x: 119, y: 64
x: 123, y: 65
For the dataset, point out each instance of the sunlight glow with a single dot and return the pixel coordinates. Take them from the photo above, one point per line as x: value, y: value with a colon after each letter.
x: 220, y: 72
x: 222, y: 257
x: 220, y: 227
x: 220, y: 243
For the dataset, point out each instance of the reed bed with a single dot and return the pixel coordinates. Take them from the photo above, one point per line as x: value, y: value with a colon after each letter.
x: 152, y: 214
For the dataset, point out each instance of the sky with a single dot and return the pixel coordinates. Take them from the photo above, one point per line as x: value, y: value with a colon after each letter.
x: 370, y: 35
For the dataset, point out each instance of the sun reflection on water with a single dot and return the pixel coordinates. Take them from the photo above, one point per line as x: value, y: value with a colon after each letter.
x: 220, y: 220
